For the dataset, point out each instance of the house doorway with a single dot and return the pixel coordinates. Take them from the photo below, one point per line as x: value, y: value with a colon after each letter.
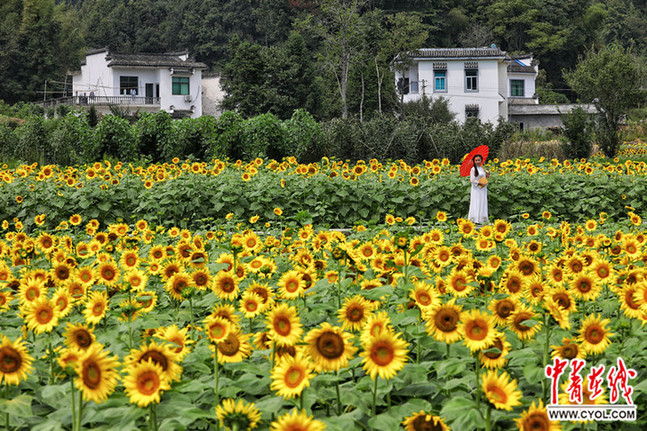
x: 149, y: 94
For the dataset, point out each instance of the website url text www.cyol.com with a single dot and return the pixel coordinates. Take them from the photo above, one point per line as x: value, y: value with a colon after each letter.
x: 603, y: 413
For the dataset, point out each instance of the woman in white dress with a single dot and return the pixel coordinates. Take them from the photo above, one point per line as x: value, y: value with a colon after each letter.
x: 478, y: 196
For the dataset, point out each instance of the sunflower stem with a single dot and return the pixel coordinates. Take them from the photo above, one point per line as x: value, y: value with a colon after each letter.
x: 301, y: 399
x: 80, y: 411
x: 374, y: 395
x: 191, y: 310
x: 73, y: 405
x: 488, y: 424
x: 6, y: 397
x: 338, y: 394
x: 544, y: 382
x: 216, y: 374
x: 477, y: 370
x: 448, y: 348
x: 418, y: 350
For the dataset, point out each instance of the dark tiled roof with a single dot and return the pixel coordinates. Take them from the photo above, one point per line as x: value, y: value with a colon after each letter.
x: 153, y: 60
x: 518, y: 68
x: 459, y: 52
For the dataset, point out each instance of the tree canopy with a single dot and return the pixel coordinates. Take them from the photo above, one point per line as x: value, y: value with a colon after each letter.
x: 346, y: 45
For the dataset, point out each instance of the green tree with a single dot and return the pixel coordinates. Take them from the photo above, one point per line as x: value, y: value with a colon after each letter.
x: 612, y: 78
x: 338, y: 25
x: 576, y: 130
x: 244, y: 79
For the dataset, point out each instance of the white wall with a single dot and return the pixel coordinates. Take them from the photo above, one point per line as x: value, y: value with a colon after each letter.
x: 212, y: 96
x: 167, y: 99
x: 529, y: 84
x: 95, y: 76
x: 488, y: 95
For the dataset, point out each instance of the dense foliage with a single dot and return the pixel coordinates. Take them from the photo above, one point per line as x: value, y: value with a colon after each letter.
x: 301, y: 68
x: 70, y: 139
x: 135, y: 327
x: 332, y: 193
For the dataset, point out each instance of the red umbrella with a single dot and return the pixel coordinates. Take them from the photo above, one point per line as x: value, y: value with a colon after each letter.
x: 467, y: 164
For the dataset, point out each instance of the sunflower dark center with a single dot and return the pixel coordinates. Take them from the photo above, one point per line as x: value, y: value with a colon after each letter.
x: 330, y: 345
x: 230, y: 346
x: 446, y: 320
x: 157, y: 357
x: 10, y: 360
x: 82, y: 338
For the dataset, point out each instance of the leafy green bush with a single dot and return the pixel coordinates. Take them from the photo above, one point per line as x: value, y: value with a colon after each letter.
x: 263, y: 136
x: 303, y: 136
x: 153, y: 132
x: 576, y: 130
x: 68, y: 139
x: 114, y: 137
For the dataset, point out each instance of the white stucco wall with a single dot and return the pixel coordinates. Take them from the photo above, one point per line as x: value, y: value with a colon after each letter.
x: 529, y: 84
x: 95, y: 76
x: 212, y: 95
x: 488, y: 96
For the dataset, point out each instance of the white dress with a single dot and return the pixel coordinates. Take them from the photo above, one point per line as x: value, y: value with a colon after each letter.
x: 478, y: 198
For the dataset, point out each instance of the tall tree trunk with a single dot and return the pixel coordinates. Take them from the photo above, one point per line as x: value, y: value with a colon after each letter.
x: 379, y: 86
x: 361, y: 101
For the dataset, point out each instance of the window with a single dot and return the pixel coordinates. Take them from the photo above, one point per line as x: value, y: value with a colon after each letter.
x: 471, y: 111
x: 403, y: 85
x: 471, y: 79
x: 128, y: 85
x: 413, y: 86
x: 439, y: 80
x: 516, y: 87
x: 180, y: 85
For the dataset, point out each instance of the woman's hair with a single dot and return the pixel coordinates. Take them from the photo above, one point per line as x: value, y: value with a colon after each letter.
x: 476, y: 171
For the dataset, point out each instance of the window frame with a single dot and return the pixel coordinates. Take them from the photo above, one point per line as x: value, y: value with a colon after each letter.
x: 513, y: 87
x: 440, y: 75
x: 126, y: 85
x: 178, y: 88
x: 474, y: 79
x: 472, y: 112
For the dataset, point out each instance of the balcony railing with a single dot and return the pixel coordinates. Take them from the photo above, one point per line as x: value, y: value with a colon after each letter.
x: 103, y: 101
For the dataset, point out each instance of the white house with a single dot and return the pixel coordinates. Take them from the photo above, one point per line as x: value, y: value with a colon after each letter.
x: 147, y: 82
x: 478, y: 82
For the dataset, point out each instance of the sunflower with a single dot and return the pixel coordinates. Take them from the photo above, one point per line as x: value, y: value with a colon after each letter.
x: 502, y: 309
x: 375, y: 325
x: 535, y: 289
x: 291, y: 375
x: 460, y: 283
x: 478, y: 329
x: 602, y: 269
x: 527, y: 266
x: 561, y: 316
x: 284, y: 325
x: 144, y: 383
x: 96, y: 374
x: 527, y: 330
x: 425, y: 295
x: 585, y: 286
x: 227, y: 312
x: 297, y: 421
x: 217, y: 328
x: 423, y: 421
x: 15, y: 362
x: 384, y: 355
x: 512, y: 282
x: 30, y: 290
x: 561, y: 297
x: 179, y: 285
x: 494, y: 356
x: 234, y: 348
x: 78, y: 336
x: 237, y: 415
x: 594, y: 335
x: 160, y: 354
x: 569, y: 349
x: 291, y: 285
x: 354, y: 313
x: 536, y: 419
x: 95, y: 307
x: 201, y: 279
x: 500, y: 391
x: 329, y: 347
x: 146, y: 300
x: 41, y: 315
x: 108, y: 273
x: 443, y: 322
x: 225, y: 285
x: 179, y: 339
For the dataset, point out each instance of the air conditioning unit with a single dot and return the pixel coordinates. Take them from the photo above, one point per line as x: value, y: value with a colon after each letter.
x: 187, y: 98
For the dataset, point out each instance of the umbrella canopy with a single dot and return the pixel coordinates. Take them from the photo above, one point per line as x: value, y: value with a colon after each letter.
x: 467, y: 164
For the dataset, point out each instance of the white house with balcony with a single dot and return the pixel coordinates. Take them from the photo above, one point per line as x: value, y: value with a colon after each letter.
x: 146, y: 82
x: 478, y: 82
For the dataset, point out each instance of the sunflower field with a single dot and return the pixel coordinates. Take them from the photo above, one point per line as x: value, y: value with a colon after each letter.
x: 248, y: 313
x: 330, y: 193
